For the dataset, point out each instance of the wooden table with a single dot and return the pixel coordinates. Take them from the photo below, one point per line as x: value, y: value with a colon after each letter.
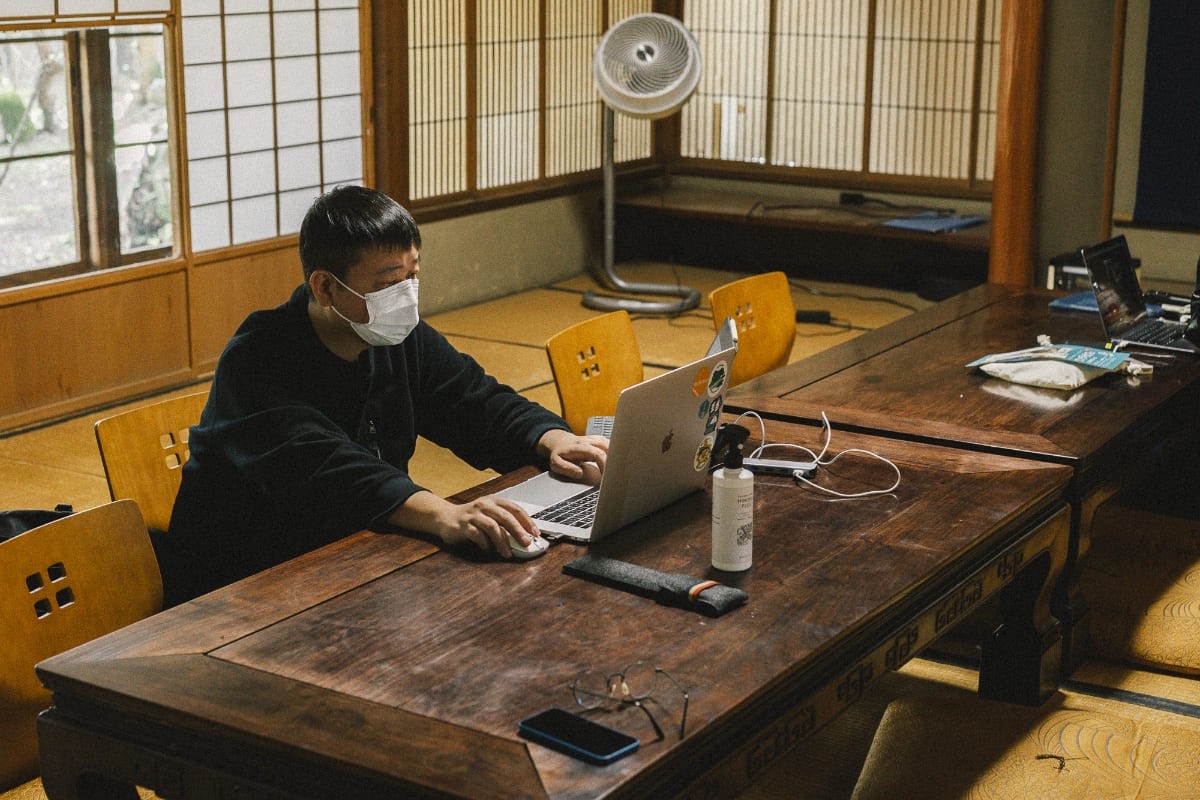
x: 908, y: 380
x: 379, y: 666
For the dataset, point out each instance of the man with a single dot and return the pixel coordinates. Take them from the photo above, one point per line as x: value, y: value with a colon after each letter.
x: 316, y: 406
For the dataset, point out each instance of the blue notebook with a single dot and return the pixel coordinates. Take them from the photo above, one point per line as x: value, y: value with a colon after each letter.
x: 934, y: 222
x: 1086, y: 301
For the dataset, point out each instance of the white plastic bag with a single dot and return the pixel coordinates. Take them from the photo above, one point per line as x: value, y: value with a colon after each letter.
x: 1064, y: 366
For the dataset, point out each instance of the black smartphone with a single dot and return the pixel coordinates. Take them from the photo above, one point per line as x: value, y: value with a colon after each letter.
x: 577, y: 736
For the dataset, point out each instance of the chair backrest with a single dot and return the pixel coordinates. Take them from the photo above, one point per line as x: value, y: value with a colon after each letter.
x: 63, y: 584
x: 143, y: 451
x: 592, y: 362
x: 762, y: 308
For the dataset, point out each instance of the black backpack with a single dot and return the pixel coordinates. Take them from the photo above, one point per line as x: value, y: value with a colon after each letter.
x: 16, y: 522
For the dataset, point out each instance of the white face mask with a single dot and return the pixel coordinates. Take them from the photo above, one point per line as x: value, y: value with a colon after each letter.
x: 391, y: 313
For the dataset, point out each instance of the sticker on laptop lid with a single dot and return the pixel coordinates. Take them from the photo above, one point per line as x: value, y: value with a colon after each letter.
x: 710, y: 412
x: 704, y: 453
x: 716, y: 381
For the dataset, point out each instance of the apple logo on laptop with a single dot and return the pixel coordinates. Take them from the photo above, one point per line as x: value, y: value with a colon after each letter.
x: 666, y: 442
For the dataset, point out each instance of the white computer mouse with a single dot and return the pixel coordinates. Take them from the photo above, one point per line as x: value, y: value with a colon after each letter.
x: 534, y: 549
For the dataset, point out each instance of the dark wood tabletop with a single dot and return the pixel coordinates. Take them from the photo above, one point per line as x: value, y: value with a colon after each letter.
x: 915, y: 384
x: 380, y: 665
x: 909, y: 380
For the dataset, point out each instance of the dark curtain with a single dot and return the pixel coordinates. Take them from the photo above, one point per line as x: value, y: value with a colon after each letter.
x: 1168, y: 184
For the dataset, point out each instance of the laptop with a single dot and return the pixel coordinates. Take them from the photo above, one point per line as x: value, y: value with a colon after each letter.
x: 1122, y: 307
x: 663, y: 434
x: 726, y: 338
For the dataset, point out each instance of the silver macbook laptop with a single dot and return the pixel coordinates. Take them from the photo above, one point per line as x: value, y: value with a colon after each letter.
x: 1122, y: 306
x: 663, y: 434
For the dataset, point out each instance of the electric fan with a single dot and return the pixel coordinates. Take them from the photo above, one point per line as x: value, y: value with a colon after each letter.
x: 646, y: 66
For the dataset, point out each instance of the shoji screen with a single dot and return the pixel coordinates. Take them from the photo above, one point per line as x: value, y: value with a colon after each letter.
x: 501, y: 93
x: 898, y: 87
x: 273, y: 105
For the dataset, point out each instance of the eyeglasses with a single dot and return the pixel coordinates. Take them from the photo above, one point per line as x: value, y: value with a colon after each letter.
x: 636, y: 685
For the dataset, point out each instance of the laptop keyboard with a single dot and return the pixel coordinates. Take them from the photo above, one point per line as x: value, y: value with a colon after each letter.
x: 1152, y: 331
x: 578, y: 511
x: 600, y: 425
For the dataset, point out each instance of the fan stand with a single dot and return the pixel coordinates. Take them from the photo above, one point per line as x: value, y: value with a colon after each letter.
x: 690, y: 297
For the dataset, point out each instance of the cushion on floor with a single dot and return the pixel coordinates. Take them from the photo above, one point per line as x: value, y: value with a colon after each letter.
x: 989, y: 750
x: 1141, y: 580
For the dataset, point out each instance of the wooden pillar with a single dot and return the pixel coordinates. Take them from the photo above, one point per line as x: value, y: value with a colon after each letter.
x: 1014, y: 184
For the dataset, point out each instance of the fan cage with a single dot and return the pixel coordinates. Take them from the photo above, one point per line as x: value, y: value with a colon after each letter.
x: 647, y: 65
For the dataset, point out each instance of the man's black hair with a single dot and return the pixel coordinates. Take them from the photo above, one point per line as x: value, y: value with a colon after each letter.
x: 346, y: 223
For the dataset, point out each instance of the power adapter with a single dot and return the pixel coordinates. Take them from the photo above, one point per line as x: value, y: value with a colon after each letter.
x: 772, y: 466
x: 818, y: 316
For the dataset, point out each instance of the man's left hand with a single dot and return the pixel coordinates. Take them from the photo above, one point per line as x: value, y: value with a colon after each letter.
x: 579, y: 458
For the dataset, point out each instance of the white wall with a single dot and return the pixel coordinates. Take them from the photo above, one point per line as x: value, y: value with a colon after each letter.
x: 482, y: 256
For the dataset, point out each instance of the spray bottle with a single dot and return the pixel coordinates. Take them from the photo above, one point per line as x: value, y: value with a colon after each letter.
x: 733, y: 513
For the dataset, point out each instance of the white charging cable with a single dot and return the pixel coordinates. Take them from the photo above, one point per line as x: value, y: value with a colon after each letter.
x: 820, y: 458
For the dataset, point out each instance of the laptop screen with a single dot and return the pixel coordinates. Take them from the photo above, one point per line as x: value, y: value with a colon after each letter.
x: 1115, y: 284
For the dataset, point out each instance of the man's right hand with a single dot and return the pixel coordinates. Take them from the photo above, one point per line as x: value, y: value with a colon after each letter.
x: 486, y: 522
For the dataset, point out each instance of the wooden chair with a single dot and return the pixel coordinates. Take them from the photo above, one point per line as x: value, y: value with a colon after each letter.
x: 592, y: 362
x: 143, y: 451
x: 63, y: 584
x: 762, y: 308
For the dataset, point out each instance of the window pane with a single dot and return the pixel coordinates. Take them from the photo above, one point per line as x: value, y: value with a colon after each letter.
x: 923, y: 89
x: 37, y: 188
x: 210, y: 226
x: 139, y: 100
x: 254, y: 218
x: 37, y: 215
x: 144, y: 188
x: 209, y: 181
x: 247, y: 37
x: 725, y: 118
x: 437, y: 57
x: 572, y: 105
x: 19, y: 8
x: 507, y: 104
x: 299, y: 123
x: 819, y: 75
x: 295, y: 34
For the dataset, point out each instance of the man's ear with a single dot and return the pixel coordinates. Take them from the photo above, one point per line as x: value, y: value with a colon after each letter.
x: 320, y: 284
